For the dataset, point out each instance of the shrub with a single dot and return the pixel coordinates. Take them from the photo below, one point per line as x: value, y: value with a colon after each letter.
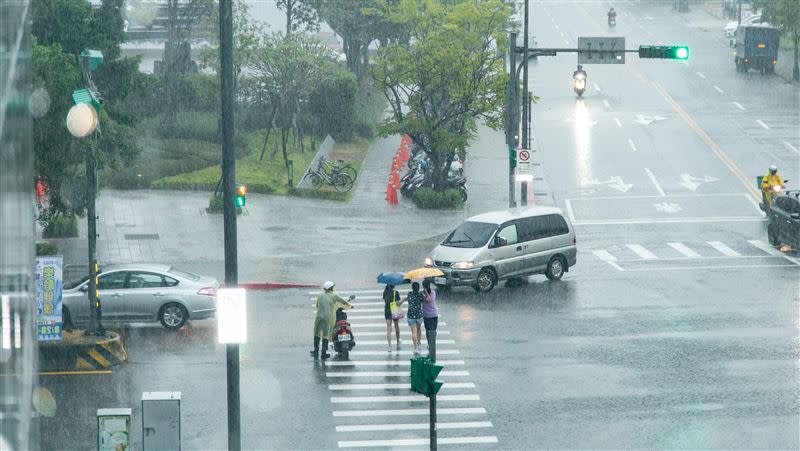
x: 321, y: 194
x: 44, y: 248
x: 191, y: 125
x: 428, y: 199
x: 61, y: 227
x: 216, y: 205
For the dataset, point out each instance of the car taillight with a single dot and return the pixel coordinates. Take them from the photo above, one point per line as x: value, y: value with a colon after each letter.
x: 574, y: 241
x: 207, y: 291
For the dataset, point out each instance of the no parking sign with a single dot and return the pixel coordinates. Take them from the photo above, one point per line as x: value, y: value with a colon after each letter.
x: 524, y: 166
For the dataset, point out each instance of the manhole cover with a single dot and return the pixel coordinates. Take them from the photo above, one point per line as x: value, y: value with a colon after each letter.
x: 274, y: 228
x: 142, y: 236
x: 337, y: 228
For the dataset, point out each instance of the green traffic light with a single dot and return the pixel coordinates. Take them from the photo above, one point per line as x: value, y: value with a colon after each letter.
x: 682, y: 53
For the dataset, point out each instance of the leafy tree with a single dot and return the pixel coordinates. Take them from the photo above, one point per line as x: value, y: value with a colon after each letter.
x: 108, y: 28
x: 447, y: 79
x: 299, y: 14
x: 353, y: 22
x: 63, y: 22
x: 332, y: 104
x: 785, y: 14
x: 288, y: 71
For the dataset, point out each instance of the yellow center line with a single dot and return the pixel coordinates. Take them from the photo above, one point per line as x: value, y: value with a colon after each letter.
x: 60, y: 373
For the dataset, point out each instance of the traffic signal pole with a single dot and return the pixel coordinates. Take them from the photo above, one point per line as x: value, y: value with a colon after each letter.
x: 525, y: 104
x: 431, y: 336
x: 229, y: 211
x: 511, y: 116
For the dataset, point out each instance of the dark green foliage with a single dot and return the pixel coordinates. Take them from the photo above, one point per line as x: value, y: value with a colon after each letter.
x: 428, y: 199
x: 44, y: 248
x: 333, y: 103
x: 199, y: 92
x: 63, y: 226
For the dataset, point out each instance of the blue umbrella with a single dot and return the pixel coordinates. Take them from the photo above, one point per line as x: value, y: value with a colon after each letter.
x: 392, y: 278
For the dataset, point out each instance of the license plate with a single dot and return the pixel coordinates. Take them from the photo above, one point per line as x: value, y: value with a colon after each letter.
x: 440, y: 280
x: 344, y: 338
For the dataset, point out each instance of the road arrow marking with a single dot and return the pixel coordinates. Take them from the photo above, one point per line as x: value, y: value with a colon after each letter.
x: 614, y: 182
x: 692, y: 183
x: 668, y: 207
x: 647, y: 120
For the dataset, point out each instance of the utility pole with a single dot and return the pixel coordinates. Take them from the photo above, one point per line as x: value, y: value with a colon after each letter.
x: 95, y: 328
x: 511, y: 106
x: 431, y: 336
x: 525, y: 104
x: 229, y: 211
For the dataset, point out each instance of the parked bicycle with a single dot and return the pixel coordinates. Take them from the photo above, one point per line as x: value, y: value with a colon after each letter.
x: 340, y: 181
x: 338, y: 166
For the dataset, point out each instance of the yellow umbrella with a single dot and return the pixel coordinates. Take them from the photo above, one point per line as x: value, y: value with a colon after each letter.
x: 423, y: 273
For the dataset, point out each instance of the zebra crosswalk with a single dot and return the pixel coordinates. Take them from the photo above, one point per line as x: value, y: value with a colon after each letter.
x: 371, y: 398
x: 634, y: 256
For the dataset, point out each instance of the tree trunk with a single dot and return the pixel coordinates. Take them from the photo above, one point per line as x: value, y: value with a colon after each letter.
x: 284, y: 136
x: 269, y: 129
x: 796, y: 70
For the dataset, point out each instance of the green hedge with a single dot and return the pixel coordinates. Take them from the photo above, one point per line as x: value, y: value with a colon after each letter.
x: 43, y: 248
x: 428, y: 199
x: 61, y: 227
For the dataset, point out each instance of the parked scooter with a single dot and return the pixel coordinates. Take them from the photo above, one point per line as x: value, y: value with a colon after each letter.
x: 342, y: 339
x: 579, y: 81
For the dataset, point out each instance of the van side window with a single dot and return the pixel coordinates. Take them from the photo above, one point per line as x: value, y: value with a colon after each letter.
x: 557, y: 225
x: 533, y: 228
x: 509, y: 233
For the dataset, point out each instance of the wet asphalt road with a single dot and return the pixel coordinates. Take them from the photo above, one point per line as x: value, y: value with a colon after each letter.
x: 677, y: 329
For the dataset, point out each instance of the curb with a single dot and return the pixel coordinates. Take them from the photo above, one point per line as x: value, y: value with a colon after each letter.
x: 76, y: 352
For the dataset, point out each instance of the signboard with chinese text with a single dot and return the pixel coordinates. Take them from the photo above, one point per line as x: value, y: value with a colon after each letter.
x: 49, y: 284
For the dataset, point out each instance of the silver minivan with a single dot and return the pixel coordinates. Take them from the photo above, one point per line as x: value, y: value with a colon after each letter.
x: 508, y: 244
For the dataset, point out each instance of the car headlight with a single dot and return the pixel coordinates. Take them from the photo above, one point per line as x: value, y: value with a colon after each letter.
x: 428, y: 261
x: 463, y: 265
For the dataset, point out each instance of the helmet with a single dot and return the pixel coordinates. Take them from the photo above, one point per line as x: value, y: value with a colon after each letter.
x: 328, y: 285
x: 580, y: 67
x: 773, y: 169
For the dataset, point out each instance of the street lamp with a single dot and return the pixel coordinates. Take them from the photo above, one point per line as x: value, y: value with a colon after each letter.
x: 82, y: 120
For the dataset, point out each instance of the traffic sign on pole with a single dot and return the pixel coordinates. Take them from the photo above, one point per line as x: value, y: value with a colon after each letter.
x: 524, y: 165
x: 601, y: 50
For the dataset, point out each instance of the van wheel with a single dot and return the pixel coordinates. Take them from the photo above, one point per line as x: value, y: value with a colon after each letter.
x: 486, y: 280
x: 555, y: 268
x: 772, y: 236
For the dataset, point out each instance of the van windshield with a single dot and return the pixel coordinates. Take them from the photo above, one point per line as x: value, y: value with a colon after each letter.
x: 470, y: 234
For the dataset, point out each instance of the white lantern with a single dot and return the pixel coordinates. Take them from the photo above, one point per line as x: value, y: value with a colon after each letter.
x: 82, y: 120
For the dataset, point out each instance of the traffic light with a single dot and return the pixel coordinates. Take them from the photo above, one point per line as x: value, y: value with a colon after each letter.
x: 673, y: 52
x: 434, y: 385
x: 512, y: 157
x: 423, y: 376
x: 241, y: 196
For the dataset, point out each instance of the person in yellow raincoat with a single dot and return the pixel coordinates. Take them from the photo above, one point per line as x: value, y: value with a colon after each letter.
x: 327, y: 304
x: 771, y: 180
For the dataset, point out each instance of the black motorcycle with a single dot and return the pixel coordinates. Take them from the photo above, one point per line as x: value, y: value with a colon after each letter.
x: 342, y: 338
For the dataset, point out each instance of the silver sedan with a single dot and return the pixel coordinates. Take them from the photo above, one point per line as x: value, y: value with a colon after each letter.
x: 143, y: 293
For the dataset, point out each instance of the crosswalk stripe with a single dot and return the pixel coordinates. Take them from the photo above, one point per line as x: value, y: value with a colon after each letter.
x: 400, y: 398
x: 720, y: 246
x: 404, y: 332
x: 416, y: 442
x: 401, y: 412
x: 373, y: 325
x: 765, y: 247
x: 603, y: 254
x: 641, y: 251
x: 383, y: 342
x: 406, y: 386
x: 356, y: 317
x: 356, y: 292
x: 403, y: 362
x: 412, y: 426
x: 403, y: 352
x: 355, y: 304
x: 680, y: 247
x: 389, y: 373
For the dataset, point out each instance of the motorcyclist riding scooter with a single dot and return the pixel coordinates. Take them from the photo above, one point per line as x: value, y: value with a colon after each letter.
x: 612, y: 18
x: 771, y: 185
x: 579, y: 81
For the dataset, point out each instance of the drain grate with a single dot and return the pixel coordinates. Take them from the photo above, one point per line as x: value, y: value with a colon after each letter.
x: 141, y: 236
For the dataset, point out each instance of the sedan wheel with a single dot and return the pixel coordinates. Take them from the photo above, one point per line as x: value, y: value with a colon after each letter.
x: 555, y: 269
x: 173, y: 316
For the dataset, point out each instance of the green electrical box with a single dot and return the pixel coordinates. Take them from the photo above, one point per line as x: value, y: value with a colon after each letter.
x: 423, y: 376
x: 512, y: 157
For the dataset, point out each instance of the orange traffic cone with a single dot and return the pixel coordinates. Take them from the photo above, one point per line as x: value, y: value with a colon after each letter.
x: 403, y: 154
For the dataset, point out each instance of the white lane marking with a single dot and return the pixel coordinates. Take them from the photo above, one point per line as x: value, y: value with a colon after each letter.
x: 753, y: 202
x: 566, y: 41
x: 700, y: 74
x: 686, y: 63
x: 655, y: 182
x: 641, y: 251
x: 619, y: 123
x: 412, y: 426
x: 680, y: 247
x: 356, y: 304
x: 372, y: 325
x: 762, y: 124
x: 739, y: 105
x: 401, y: 412
x: 400, y: 398
x: 423, y: 442
x: 789, y: 145
x: 608, y: 105
x: 765, y: 247
x: 362, y: 310
x: 691, y: 268
x: 667, y: 221
x: 383, y: 342
x: 385, y: 362
x: 404, y: 332
x: 562, y: 33
x: 720, y: 246
x: 719, y: 90
x: 389, y: 373
x: 597, y: 87
x: 409, y: 352
x: 633, y: 146
x: 357, y: 317
x: 394, y: 386
x: 603, y: 254
x: 347, y: 293
x: 571, y: 213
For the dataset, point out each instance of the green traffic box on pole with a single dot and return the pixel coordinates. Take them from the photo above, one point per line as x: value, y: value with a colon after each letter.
x: 423, y: 376
x: 433, y: 370
x: 675, y: 52
x: 512, y: 157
